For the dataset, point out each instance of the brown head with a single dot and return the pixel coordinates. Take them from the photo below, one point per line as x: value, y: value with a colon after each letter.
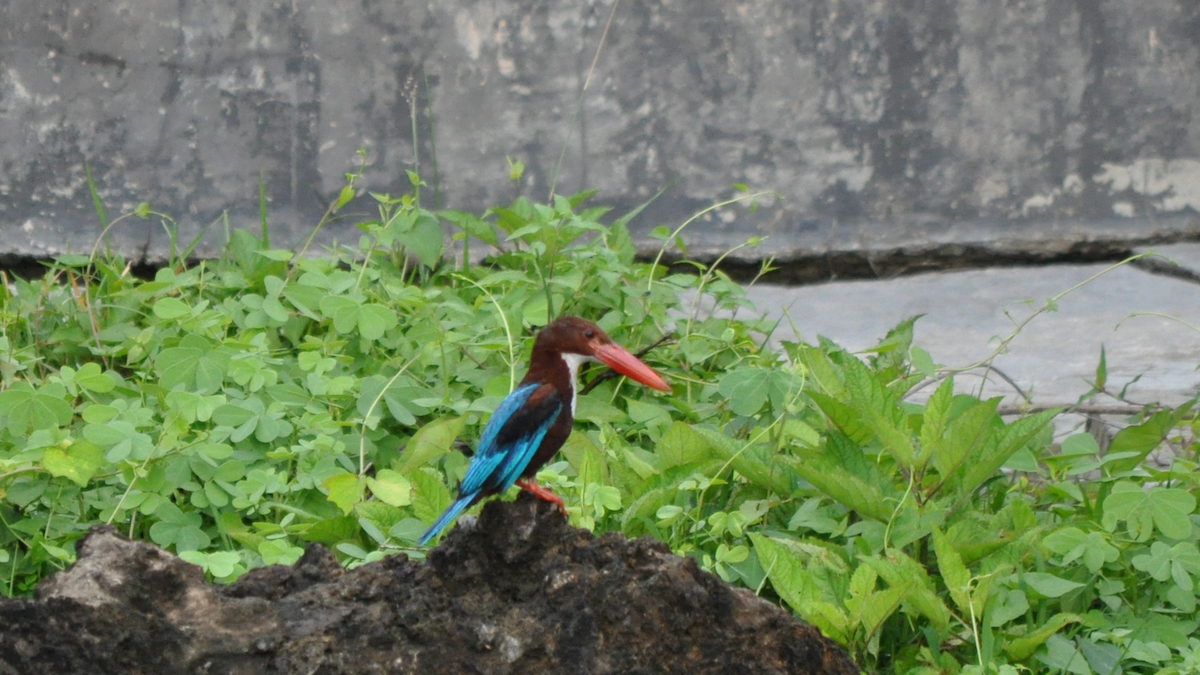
x: 571, y: 340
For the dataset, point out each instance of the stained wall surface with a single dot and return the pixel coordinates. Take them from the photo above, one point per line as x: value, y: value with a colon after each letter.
x: 851, y: 110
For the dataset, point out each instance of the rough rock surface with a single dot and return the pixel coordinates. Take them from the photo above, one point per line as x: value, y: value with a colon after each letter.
x: 519, y: 592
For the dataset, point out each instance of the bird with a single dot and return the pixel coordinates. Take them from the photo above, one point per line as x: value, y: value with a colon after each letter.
x: 532, y: 423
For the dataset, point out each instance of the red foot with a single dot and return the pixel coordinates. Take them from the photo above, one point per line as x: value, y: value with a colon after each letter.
x: 542, y: 493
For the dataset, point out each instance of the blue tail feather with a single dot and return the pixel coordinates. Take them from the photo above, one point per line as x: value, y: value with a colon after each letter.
x: 448, y: 515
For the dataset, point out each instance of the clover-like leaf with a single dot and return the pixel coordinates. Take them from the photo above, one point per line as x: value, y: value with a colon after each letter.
x: 24, y: 409
x: 77, y: 462
x: 375, y: 320
x: 91, y: 377
x: 171, y: 308
x: 178, y: 529
x: 1143, y: 510
x: 279, y: 552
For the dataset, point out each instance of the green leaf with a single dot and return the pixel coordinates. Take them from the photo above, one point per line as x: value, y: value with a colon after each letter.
x: 589, y: 462
x: 756, y: 462
x: 798, y: 589
x: 24, y: 410
x: 178, y: 529
x: 1157, y: 563
x: 279, y: 552
x: 171, y: 308
x: 472, y: 225
x: 233, y: 415
x: 278, y: 255
x: 230, y: 471
x: 681, y: 445
x: 1102, y: 657
x: 745, y: 389
x: 98, y: 414
x: 1021, y: 648
x: 1142, y: 439
x: 91, y: 377
x: 306, y: 299
x: 430, y: 496
x: 432, y: 441
x: 845, y: 417
x: 378, y: 519
x: 58, y: 552
x: 878, y: 408
x: 998, y: 447
x: 839, y: 469
x: 955, y: 575
x: 934, y: 423
x: 1073, y: 544
x: 330, y: 531
x: 333, y: 305
x: 73, y: 259
x: 78, y: 462
x: 923, y: 362
x: 1080, y: 444
x: 1101, y: 371
x: 1142, y: 510
x: 899, y: 570
x: 375, y: 320
x: 343, y: 489
x: 424, y: 240
x: 108, y: 434
x: 1048, y: 585
x: 1009, y: 604
x: 878, y: 607
x: 391, y: 488
x: 193, y: 365
x: 1178, y: 563
x: 219, y: 564
x: 274, y: 309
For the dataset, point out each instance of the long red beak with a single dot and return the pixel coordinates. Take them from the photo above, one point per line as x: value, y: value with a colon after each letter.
x: 615, y: 357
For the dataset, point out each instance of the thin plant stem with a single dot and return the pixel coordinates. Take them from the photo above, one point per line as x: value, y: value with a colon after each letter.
x: 1046, y: 307
x: 696, y: 216
x: 362, y: 437
x: 512, y: 350
x: 579, y: 103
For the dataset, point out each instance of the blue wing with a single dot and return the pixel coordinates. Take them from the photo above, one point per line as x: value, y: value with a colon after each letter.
x: 511, y: 437
x: 509, y: 442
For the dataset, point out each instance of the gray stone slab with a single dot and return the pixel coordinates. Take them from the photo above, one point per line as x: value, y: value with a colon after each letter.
x: 1186, y: 256
x: 1053, y: 358
x: 820, y: 249
x: 1178, y: 260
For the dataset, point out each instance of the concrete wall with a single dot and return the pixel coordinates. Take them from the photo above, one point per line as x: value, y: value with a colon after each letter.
x: 878, y: 112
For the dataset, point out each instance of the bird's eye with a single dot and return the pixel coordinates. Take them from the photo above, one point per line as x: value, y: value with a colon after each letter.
x: 589, y: 333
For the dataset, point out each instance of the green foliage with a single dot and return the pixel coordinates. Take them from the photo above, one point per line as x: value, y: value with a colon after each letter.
x: 234, y: 410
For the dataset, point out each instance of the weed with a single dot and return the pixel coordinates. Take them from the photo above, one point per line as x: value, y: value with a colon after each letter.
x: 236, y: 409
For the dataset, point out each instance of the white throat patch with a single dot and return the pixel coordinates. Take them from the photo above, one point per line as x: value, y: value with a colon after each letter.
x: 573, y: 362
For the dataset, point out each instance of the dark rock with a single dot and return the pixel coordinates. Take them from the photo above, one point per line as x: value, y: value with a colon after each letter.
x: 517, y: 591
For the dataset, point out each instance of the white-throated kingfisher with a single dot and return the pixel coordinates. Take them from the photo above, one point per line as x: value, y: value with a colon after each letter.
x: 534, y: 421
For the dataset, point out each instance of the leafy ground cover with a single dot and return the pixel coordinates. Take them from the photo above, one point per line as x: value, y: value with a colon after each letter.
x: 235, y: 409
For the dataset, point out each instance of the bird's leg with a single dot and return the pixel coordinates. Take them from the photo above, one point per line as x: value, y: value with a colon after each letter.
x: 542, y: 493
